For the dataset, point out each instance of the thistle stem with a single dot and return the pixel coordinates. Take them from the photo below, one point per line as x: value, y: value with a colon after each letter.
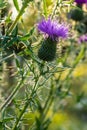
x: 14, y: 92
x: 20, y: 116
x: 25, y: 4
x: 47, y: 105
x: 26, y: 106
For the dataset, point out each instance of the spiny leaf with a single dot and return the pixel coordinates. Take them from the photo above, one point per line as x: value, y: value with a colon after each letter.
x: 26, y: 37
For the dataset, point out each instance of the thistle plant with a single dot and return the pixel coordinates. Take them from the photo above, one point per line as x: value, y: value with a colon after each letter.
x: 83, y: 38
x: 53, y: 31
x: 39, y: 87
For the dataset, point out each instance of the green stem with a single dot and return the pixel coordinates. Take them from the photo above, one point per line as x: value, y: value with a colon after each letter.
x: 25, y: 4
x: 14, y: 24
x: 6, y: 58
x: 50, y: 101
x: 78, y: 58
x: 14, y: 92
x: 45, y: 7
x: 47, y: 105
x: 20, y: 116
x: 49, y: 97
x: 25, y: 107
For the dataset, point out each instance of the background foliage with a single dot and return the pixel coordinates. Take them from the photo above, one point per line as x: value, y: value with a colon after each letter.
x: 34, y: 94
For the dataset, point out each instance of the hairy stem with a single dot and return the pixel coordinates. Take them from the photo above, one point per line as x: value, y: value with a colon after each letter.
x: 47, y: 105
x: 25, y: 4
x: 25, y: 107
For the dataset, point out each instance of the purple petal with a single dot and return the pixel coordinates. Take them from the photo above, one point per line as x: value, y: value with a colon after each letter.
x: 83, y: 38
x: 53, y: 29
x: 81, y: 1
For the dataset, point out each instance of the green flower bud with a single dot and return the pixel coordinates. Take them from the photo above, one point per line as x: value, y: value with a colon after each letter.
x: 76, y: 14
x: 47, y: 51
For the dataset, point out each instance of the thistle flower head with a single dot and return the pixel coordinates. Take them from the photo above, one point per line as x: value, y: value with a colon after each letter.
x: 81, y: 1
x: 53, y: 29
x: 83, y: 38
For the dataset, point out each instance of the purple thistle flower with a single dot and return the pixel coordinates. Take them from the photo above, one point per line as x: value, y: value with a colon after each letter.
x: 81, y: 1
x: 83, y: 38
x: 53, y: 29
